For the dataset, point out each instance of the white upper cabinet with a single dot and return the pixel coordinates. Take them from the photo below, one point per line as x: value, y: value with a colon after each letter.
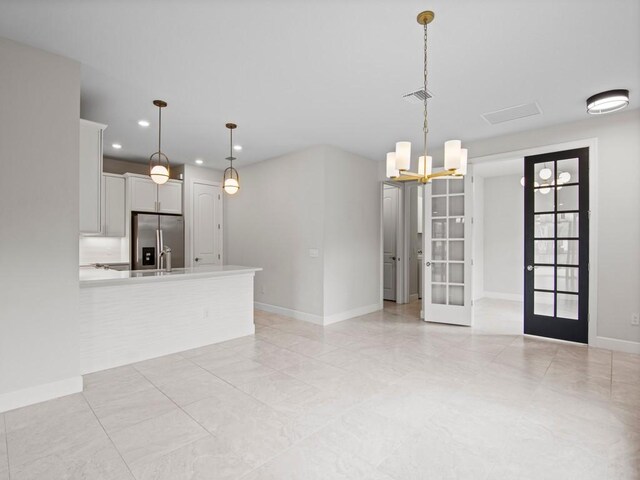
x: 170, y: 197
x: 147, y: 196
x: 90, y: 177
x: 144, y: 194
x: 113, y: 204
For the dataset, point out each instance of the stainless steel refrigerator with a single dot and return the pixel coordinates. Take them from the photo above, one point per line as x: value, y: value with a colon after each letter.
x: 150, y: 233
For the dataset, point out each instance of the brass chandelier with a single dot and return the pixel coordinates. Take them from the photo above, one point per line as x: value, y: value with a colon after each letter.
x: 455, y: 157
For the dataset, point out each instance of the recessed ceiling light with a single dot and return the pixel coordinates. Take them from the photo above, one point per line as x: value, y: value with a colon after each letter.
x: 143, y: 123
x: 117, y: 146
x: 606, y: 102
x: 237, y: 148
x: 199, y: 161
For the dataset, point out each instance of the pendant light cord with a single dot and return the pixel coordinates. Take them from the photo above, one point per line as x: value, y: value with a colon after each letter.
x: 231, y: 147
x: 159, y: 129
x: 425, y: 127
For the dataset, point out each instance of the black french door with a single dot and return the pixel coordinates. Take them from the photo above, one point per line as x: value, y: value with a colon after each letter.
x: 556, y: 250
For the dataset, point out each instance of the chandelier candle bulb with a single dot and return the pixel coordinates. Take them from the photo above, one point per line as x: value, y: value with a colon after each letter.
x: 463, y: 162
x: 403, y: 156
x: 392, y: 171
x: 424, y: 165
x: 452, y: 154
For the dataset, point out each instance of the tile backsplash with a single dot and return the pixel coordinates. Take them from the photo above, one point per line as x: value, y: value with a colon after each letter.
x: 103, y: 250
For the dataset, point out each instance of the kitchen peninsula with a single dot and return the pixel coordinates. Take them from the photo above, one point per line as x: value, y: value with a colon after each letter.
x: 129, y: 316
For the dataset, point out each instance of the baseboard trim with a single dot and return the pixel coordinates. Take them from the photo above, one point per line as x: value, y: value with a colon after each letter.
x: 40, y: 393
x: 318, y: 319
x: 413, y: 297
x: 617, y: 345
x: 515, y: 297
x: 356, y: 312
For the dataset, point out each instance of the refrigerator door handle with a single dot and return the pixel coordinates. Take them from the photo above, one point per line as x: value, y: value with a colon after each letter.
x: 161, y: 250
x: 158, y: 258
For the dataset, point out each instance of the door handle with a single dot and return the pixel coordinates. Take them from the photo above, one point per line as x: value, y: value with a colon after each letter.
x: 530, y: 268
x: 197, y: 259
x: 393, y: 258
x: 428, y: 264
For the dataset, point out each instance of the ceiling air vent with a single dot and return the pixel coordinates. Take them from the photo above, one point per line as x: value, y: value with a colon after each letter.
x: 417, y: 96
x: 512, y: 113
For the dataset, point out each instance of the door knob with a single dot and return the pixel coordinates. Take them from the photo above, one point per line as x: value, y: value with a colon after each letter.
x: 197, y: 259
x: 530, y: 268
x: 428, y: 264
x: 393, y: 258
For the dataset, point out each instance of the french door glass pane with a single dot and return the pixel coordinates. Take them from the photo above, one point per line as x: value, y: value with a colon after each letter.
x: 543, y: 202
x: 544, y: 226
x: 439, y: 272
x: 568, y: 171
x: 456, y: 295
x: 456, y: 205
x: 456, y: 227
x: 568, y: 198
x: 543, y: 278
x: 543, y: 303
x: 568, y: 225
x: 439, y: 228
x: 439, y: 250
x: 567, y: 306
x: 456, y: 185
x: 439, y: 207
x: 544, y: 251
x: 567, y: 279
x: 439, y: 294
x: 568, y: 252
x: 456, y: 250
x: 456, y: 272
x: 439, y: 186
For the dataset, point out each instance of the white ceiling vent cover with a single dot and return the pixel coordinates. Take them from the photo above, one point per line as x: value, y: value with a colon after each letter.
x: 512, y: 113
x: 417, y: 96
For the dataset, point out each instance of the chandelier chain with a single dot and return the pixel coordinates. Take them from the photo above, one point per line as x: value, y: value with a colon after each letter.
x: 425, y: 127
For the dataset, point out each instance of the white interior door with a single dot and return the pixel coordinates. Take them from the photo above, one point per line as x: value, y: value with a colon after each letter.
x: 207, y: 224
x: 447, y: 251
x: 390, y: 240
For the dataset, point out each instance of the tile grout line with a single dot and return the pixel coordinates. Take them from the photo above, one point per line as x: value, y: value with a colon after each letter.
x: 108, y: 436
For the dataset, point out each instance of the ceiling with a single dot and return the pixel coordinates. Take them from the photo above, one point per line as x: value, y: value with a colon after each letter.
x: 294, y: 73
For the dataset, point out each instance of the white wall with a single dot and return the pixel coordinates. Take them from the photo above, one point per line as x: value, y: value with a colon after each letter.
x: 321, y: 199
x: 618, y: 198
x: 351, y: 233
x: 503, y: 237
x: 273, y: 221
x: 39, y: 129
x: 103, y: 250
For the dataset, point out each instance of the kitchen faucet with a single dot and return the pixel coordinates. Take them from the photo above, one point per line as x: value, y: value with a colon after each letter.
x: 166, y: 255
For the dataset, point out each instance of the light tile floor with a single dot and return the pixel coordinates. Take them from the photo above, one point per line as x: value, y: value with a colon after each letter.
x: 382, y: 396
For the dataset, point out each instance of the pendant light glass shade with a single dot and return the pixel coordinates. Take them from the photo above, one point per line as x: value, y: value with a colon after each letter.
x: 463, y: 162
x: 392, y: 171
x: 158, y: 161
x: 231, y: 185
x: 403, y: 156
x: 452, y: 154
x: 545, y: 173
x: 424, y: 167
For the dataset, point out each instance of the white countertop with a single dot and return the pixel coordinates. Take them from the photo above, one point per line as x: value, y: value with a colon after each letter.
x: 97, y: 277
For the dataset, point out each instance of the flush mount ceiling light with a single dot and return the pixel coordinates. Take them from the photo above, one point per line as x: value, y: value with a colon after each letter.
x: 607, y: 102
x: 158, y: 161
x: 117, y: 146
x: 231, y: 180
x: 455, y: 157
x: 237, y: 148
x: 199, y: 161
x: 143, y: 123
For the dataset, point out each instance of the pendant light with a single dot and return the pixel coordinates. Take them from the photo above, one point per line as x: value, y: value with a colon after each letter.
x: 159, y: 162
x: 231, y: 182
x: 455, y: 157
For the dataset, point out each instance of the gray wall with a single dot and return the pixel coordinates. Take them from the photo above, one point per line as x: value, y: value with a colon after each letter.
x: 503, y: 236
x: 618, y: 197
x: 39, y: 128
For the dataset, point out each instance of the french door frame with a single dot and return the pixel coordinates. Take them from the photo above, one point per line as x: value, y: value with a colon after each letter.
x: 592, y: 144
x: 555, y: 326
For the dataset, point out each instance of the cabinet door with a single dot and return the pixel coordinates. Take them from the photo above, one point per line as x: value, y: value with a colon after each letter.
x: 114, y: 206
x: 90, y: 176
x: 170, y: 197
x: 143, y: 194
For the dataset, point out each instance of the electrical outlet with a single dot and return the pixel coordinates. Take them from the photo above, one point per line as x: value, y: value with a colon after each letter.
x: 635, y: 319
